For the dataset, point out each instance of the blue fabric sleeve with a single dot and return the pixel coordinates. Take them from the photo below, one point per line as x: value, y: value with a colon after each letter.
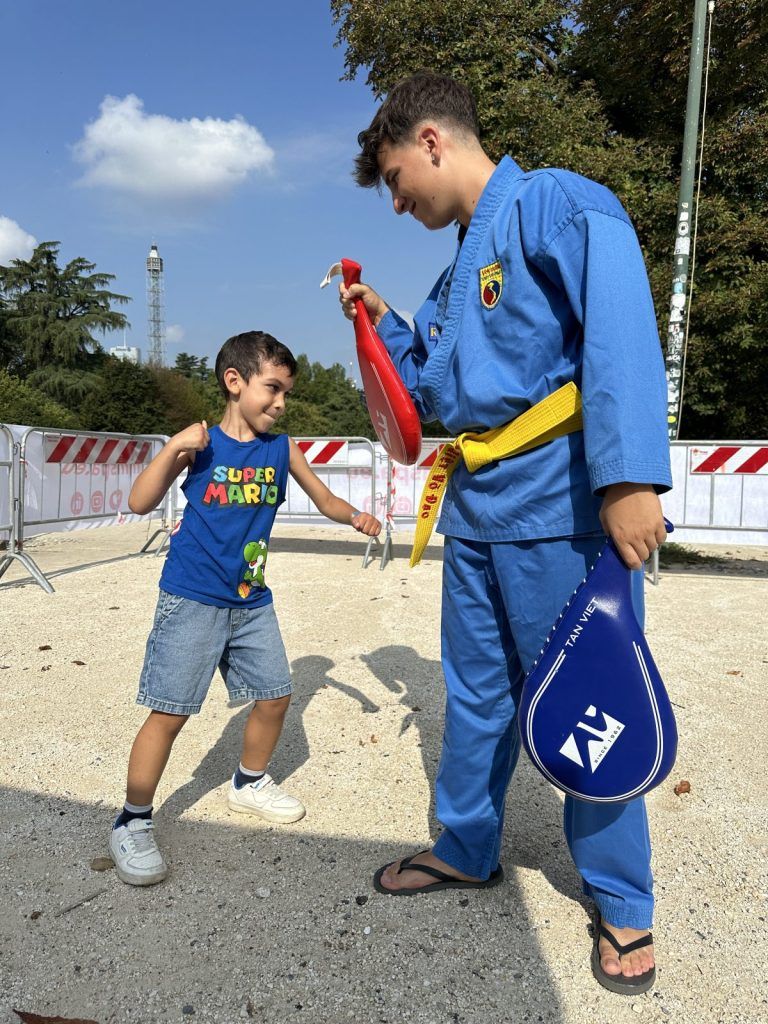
x: 408, y: 353
x: 598, y: 260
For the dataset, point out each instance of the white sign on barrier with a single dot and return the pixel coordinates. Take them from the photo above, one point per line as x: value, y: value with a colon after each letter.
x: 73, y: 480
x: 729, y: 459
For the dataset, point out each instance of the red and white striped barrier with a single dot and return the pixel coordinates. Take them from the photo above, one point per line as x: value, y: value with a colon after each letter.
x: 740, y: 459
x: 325, y: 453
x: 109, y: 451
x: 426, y: 461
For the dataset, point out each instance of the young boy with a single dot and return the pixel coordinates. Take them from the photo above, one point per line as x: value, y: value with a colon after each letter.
x: 215, y: 608
x: 547, y: 287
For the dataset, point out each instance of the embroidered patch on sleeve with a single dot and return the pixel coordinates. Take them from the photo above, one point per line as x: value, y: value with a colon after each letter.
x: 491, y: 283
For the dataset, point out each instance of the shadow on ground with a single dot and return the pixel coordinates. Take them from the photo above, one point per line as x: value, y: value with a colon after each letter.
x: 278, y: 924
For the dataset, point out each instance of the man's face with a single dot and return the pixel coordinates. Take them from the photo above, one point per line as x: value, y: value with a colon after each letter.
x: 412, y: 173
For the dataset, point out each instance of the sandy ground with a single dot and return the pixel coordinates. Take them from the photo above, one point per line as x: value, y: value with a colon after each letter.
x: 281, y: 924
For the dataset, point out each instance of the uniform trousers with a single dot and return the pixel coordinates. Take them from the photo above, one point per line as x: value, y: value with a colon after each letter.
x: 500, y: 601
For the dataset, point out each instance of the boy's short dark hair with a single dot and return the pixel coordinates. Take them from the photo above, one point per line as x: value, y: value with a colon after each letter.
x: 247, y: 353
x: 421, y: 97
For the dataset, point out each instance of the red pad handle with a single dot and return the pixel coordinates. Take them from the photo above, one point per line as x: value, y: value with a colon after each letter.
x: 392, y: 412
x: 351, y: 272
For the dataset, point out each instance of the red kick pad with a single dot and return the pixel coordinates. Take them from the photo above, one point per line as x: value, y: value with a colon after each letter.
x: 392, y: 412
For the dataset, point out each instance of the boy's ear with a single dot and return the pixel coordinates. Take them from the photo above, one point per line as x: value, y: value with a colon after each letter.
x: 233, y: 380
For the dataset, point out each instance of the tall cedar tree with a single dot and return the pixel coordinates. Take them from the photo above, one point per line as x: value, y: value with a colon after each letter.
x: 53, y: 311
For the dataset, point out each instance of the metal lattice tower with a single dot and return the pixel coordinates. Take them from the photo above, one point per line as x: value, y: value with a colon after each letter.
x: 156, y: 321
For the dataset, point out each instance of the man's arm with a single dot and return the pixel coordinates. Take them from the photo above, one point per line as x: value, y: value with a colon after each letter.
x: 326, y: 501
x: 175, y: 456
x: 623, y: 386
x: 400, y: 340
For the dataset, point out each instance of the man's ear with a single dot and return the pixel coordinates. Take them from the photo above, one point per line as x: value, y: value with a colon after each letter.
x: 430, y: 140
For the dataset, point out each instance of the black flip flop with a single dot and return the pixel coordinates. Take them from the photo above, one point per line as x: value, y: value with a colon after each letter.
x: 618, y: 982
x: 444, y: 881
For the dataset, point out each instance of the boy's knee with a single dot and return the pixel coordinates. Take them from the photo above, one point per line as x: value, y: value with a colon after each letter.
x: 170, y: 724
x: 274, y: 708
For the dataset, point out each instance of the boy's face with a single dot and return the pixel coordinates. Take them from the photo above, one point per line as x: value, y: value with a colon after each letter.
x: 261, y: 400
x: 411, y: 171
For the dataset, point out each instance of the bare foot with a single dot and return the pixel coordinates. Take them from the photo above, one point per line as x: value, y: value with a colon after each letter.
x: 411, y: 879
x: 631, y: 964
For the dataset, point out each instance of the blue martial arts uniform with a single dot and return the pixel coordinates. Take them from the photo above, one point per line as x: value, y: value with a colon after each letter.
x: 547, y: 286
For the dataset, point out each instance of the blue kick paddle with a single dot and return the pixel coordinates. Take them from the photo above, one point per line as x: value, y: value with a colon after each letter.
x: 595, y: 718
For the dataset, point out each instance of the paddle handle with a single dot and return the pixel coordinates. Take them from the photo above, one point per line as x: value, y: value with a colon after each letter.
x: 351, y: 272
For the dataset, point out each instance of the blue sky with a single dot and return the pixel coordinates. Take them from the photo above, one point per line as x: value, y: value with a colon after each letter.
x: 220, y: 132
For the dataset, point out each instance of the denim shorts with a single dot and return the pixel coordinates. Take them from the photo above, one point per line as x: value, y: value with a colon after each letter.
x: 190, y: 640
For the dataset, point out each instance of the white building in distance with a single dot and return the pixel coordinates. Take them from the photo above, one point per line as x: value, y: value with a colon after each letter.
x: 127, y: 353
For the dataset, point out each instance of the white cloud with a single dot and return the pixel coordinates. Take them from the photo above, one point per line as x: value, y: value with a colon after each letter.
x: 174, y: 334
x: 157, y: 157
x: 15, y: 242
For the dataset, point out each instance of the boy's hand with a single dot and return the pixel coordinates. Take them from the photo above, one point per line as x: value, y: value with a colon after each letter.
x: 365, y: 523
x: 374, y: 303
x: 191, y: 439
x: 631, y: 516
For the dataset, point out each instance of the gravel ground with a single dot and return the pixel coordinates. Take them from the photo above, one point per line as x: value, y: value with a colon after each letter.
x: 281, y: 924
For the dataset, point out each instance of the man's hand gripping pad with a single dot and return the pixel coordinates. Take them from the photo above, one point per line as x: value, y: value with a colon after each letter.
x: 392, y: 412
x: 595, y: 718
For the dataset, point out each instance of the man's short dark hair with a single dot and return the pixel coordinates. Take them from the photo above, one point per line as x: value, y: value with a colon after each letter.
x: 421, y: 97
x: 248, y: 352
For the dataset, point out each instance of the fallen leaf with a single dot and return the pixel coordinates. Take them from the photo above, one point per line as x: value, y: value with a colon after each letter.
x: 683, y: 786
x: 35, y: 914
x: 102, y: 864
x: 35, y: 1018
x: 374, y: 739
x: 45, y: 647
x: 45, y: 668
x: 114, y: 608
x: 78, y: 662
x: 734, y: 672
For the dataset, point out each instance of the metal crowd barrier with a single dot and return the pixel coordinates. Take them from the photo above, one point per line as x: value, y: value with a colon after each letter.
x: 67, y: 476
x: 11, y: 512
x: 354, y: 458
x: 59, y: 476
x: 717, y: 486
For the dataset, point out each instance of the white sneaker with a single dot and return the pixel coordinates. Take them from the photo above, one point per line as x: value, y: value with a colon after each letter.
x: 265, y: 799
x: 134, y: 850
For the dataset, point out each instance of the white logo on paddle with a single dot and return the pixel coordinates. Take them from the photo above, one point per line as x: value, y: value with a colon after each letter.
x: 596, y: 748
x: 383, y: 428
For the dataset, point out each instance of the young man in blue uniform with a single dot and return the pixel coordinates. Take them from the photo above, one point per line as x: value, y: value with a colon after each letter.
x: 547, y: 286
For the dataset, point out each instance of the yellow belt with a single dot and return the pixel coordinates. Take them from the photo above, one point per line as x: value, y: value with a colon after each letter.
x: 555, y: 415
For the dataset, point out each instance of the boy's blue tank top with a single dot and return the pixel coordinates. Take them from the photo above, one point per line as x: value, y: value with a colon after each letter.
x: 218, y: 553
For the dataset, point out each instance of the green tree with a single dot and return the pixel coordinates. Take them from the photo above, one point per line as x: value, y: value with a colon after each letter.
x: 23, y: 404
x: 325, y: 402
x: 204, y: 382
x: 638, y: 58
x: 599, y: 86
x: 194, y: 367
x: 53, y: 312
x: 126, y: 400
